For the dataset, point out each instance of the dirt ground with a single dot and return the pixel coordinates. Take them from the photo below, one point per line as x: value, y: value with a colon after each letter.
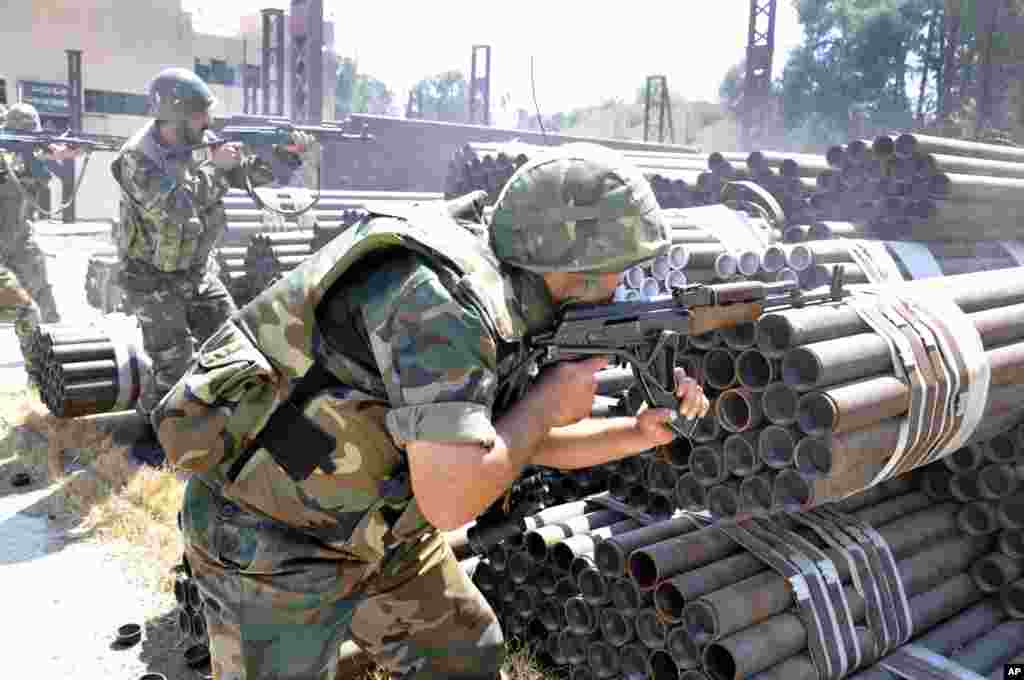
x: 88, y: 544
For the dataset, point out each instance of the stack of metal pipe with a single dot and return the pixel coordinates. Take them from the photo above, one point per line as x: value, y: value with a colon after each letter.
x: 679, y: 180
x: 86, y: 370
x: 806, y: 406
x: 602, y: 595
x: 248, y: 270
x: 335, y: 209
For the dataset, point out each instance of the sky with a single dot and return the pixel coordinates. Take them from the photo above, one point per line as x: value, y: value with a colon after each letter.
x: 582, y: 54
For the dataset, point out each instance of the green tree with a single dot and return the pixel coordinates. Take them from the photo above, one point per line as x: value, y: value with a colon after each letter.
x: 855, y: 55
x: 442, y: 97
x: 360, y: 93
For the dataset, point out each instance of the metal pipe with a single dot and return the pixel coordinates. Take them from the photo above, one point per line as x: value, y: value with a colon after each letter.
x: 987, y: 652
x: 1011, y: 511
x: 997, y: 481
x: 580, y: 616
x: 739, y: 409
x: 965, y: 458
x: 616, y: 627
x: 651, y: 563
x: 611, y: 554
x: 1012, y: 599
x: 731, y: 656
x: 719, y: 368
x: 756, y: 493
x: 539, y: 541
x: 978, y: 518
x: 593, y: 586
x: 755, y: 371
x: 995, y: 571
x: 564, y: 552
x: 727, y: 610
x: 935, y: 481
x: 724, y: 499
x: 707, y: 464
x: 663, y: 667
x: 741, y: 336
x: 635, y: 661
x: 740, y: 453
x: 831, y: 362
x: 780, y: 402
x: 486, y: 535
x: 603, y: 659
x: 690, y: 494
x: 650, y: 630
x: 662, y: 475
x: 1001, y: 448
x: 908, y: 144
x: 625, y: 597
x: 679, y: 452
x: 782, y: 330
x: 708, y: 429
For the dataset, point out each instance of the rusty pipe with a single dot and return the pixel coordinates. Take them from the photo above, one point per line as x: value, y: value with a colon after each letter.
x: 650, y: 563
x: 920, y: 574
x: 765, y: 594
x: 611, y: 555
x: 782, y: 330
x: 739, y: 409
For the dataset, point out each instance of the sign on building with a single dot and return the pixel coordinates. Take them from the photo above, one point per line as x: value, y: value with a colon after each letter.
x: 49, y: 98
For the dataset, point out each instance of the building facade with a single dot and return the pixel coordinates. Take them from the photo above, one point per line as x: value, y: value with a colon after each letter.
x: 124, y: 43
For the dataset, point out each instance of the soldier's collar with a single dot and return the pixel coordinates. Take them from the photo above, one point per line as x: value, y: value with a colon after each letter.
x: 533, y: 299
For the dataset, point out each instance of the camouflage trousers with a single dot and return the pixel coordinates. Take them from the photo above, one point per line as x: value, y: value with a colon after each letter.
x: 17, y: 306
x: 278, y: 603
x: 28, y: 262
x: 176, y: 313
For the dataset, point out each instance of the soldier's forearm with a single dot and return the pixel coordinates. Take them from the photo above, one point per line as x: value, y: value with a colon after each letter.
x: 592, y: 441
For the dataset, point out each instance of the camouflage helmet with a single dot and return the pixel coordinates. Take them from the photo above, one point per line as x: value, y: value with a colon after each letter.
x: 23, y: 117
x: 176, y: 93
x: 577, y: 208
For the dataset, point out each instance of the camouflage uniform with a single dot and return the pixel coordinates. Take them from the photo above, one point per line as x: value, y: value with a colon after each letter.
x: 172, y: 215
x: 19, y: 250
x: 402, y: 328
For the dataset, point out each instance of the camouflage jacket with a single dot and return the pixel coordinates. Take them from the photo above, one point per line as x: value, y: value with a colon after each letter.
x: 15, y: 211
x: 443, y: 324
x: 172, y: 209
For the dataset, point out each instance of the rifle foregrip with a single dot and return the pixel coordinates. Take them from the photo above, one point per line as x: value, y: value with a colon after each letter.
x: 707, y: 319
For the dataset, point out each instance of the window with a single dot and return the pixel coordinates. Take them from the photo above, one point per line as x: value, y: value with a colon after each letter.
x: 124, y: 103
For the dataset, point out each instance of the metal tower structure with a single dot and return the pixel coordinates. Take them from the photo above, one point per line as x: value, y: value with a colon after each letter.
x: 307, y: 64
x: 272, y: 66
x: 480, y: 88
x: 656, y: 97
x: 758, y: 81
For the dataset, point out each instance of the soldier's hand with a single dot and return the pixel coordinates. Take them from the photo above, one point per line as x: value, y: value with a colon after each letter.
x: 61, y: 152
x: 301, y: 141
x: 692, y: 404
x: 227, y: 156
x: 567, y: 390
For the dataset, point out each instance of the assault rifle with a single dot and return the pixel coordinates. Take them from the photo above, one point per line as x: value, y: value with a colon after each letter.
x: 646, y: 334
x: 22, y: 141
x: 25, y: 143
x: 273, y: 131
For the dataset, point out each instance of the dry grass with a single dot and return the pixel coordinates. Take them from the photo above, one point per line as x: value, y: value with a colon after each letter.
x: 101, y: 492
x: 520, y: 665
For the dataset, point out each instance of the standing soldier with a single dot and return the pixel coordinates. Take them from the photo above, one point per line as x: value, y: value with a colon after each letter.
x: 24, y: 280
x: 371, y: 399
x: 172, y: 216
